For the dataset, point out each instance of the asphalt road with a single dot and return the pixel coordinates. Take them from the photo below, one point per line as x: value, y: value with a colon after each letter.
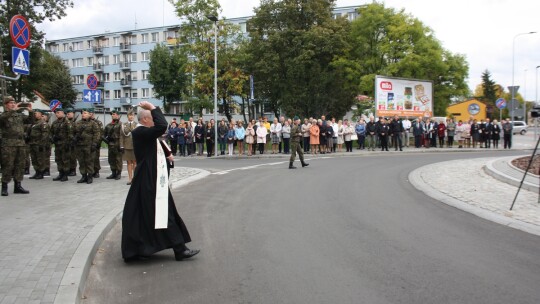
x: 343, y: 230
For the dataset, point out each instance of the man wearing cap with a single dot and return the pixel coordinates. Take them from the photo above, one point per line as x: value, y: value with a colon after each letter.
x: 12, y: 123
x: 296, y: 137
x: 61, y: 135
x: 38, y: 139
x: 112, y: 138
x: 86, y: 137
x: 70, y: 115
x: 99, y: 124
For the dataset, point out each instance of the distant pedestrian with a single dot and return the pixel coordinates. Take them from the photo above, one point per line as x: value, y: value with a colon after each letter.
x: 296, y: 138
x: 507, y: 133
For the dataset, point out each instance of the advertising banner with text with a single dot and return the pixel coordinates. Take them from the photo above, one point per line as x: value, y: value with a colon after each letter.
x: 403, y: 97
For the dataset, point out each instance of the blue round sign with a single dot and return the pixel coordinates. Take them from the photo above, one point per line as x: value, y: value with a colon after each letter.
x: 501, y: 103
x: 92, y: 82
x: 19, y: 30
x: 55, y: 104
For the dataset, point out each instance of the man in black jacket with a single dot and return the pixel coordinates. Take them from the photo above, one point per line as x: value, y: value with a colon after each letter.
x: 396, y: 129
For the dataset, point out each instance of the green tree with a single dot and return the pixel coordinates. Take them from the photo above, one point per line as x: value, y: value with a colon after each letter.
x: 197, y: 38
x: 35, y: 11
x: 55, y: 80
x: 392, y: 43
x: 293, y: 54
x: 167, y: 73
x: 489, y: 89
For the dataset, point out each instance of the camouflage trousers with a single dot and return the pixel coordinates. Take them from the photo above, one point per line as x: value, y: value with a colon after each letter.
x: 115, y: 158
x: 72, y: 158
x: 13, y: 162
x: 40, y: 157
x: 86, y: 156
x: 96, y: 165
x: 62, y: 157
x: 296, y: 148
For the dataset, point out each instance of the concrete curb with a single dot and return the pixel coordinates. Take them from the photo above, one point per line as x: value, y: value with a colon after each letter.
x: 74, y: 280
x: 415, y: 178
x: 493, y: 172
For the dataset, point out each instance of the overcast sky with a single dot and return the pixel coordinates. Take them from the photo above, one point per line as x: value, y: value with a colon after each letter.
x: 482, y: 30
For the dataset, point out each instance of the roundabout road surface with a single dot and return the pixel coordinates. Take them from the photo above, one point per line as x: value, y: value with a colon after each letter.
x: 343, y: 230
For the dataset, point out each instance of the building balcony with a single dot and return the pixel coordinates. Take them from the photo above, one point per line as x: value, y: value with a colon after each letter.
x: 125, y: 65
x: 98, y: 50
x: 125, y: 100
x: 125, y: 83
x: 98, y: 67
x: 125, y: 47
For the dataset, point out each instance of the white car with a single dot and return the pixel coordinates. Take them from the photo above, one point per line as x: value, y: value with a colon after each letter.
x: 519, y: 127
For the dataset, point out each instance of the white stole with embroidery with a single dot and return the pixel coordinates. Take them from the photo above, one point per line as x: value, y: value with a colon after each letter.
x: 162, y: 189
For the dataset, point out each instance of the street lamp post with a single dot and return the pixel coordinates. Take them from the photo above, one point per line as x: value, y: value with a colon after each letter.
x: 536, y: 104
x: 513, y: 88
x: 215, y: 20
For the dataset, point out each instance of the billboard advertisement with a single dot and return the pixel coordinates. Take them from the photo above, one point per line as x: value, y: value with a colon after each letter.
x: 403, y: 97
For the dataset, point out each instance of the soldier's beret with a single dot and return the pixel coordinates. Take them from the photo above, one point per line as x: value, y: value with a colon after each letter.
x: 114, y: 111
x: 69, y: 110
x: 8, y: 99
x: 58, y: 110
x: 91, y: 110
x: 296, y: 118
x: 39, y: 111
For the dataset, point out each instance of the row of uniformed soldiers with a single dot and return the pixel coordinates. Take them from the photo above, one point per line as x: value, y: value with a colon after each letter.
x: 74, y: 141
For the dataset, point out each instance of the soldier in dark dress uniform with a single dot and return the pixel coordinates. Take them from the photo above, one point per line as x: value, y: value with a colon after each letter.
x: 12, y: 123
x: 96, y: 155
x: 38, y: 141
x: 62, y: 135
x: 86, y: 133
x: 112, y: 138
x: 70, y: 115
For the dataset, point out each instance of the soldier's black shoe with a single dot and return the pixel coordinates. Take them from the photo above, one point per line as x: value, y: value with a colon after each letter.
x: 59, y: 177
x: 46, y: 172
x: 304, y: 164
x: 113, y: 175
x: 72, y: 172
x: 34, y: 176
x: 96, y: 175
x: 4, y: 189
x: 83, y: 179
x: 26, y: 171
x: 90, y: 179
x: 291, y: 165
x: 118, y: 175
x: 64, y: 177
x: 19, y: 189
x: 39, y: 175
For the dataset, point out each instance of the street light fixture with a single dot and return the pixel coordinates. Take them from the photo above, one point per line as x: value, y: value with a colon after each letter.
x: 215, y: 20
x: 513, y: 88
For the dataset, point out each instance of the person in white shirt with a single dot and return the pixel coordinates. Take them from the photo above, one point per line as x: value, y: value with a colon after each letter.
x: 406, y: 130
x: 275, y: 135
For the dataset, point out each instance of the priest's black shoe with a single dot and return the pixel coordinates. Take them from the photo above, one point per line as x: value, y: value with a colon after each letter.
x: 186, y: 254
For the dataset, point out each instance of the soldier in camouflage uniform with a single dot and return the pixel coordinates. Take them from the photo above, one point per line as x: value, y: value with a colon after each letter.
x: 296, y: 138
x: 112, y: 138
x: 99, y: 124
x: 39, y: 140
x: 12, y: 123
x: 70, y: 115
x: 61, y: 135
x: 86, y: 136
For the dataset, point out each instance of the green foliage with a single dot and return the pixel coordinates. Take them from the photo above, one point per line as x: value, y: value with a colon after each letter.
x: 55, y: 80
x: 489, y: 89
x: 294, y: 57
x: 167, y: 73
x: 392, y: 43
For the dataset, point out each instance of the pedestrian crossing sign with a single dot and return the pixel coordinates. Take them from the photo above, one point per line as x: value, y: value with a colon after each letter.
x: 20, y: 61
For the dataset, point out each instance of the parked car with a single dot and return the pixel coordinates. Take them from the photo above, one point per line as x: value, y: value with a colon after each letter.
x: 519, y: 127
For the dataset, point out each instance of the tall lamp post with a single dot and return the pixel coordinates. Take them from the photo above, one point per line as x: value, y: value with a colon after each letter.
x: 513, y: 88
x: 536, y: 104
x: 215, y: 20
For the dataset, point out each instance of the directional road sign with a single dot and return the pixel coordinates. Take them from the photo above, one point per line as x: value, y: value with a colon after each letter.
x: 19, y: 30
x: 92, y: 82
x: 20, y: 61
x: 93, y: 96
x: 501, y: 103
x: 55, y: 104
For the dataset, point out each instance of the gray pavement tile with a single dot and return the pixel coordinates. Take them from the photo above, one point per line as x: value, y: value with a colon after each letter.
x: 9, y: 300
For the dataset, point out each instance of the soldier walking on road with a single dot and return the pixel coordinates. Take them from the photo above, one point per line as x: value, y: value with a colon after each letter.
x: 296, y: 138
x: 112, y: 138
x: 62, y: 134
x: 99, y: 124
x: 70, y: 115
x: 39, y: 140
x: 86, y: 134
x: 12, y: 123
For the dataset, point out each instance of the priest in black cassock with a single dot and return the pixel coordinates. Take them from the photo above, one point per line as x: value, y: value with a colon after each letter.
x: 150, y: 221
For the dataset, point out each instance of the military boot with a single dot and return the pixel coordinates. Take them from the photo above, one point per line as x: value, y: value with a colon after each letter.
x: 291, y: 165
x: 59, y: 177
x: 34, y: 176
x: 90, y: 179
x: 64, y: 176
x: 4, y: 189
x: 112, y: 176
x: 46, y: 172
x: 304, y: 164
x: 19, y: 189
x: 96, y: 174
x: 118, y: 175
x: 83, y: 179
x: 39, y: 175
x: 26, y: 171
x: 72, y: 172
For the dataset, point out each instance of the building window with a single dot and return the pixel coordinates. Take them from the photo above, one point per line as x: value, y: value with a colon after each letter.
x: 105, y: 77
x: 117, y: 76
x: 133, y: 39
x: 145, y: 56
x: 351, y: 16
x: 78, y: 79
x: 79, y: 96
x: 145, y: 74
x: 144, y: 38
x: 145, y: 93
x: 53, y: 48
x: 116, y: 59
x: 65, y: 47
x: 90, y: 61
x: 104, y: 42
x: 89, y: 44
x: 134, y: 93
x: 133, y: 57
x: 243, y: 27
x: 105, y: 60
x: 116, y: 41
x: 155, y: 37
x: 77, y: 46
x: 66, y: 62
x: 117, y: 94
x: 77, y: 62
x: 107, y: 94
